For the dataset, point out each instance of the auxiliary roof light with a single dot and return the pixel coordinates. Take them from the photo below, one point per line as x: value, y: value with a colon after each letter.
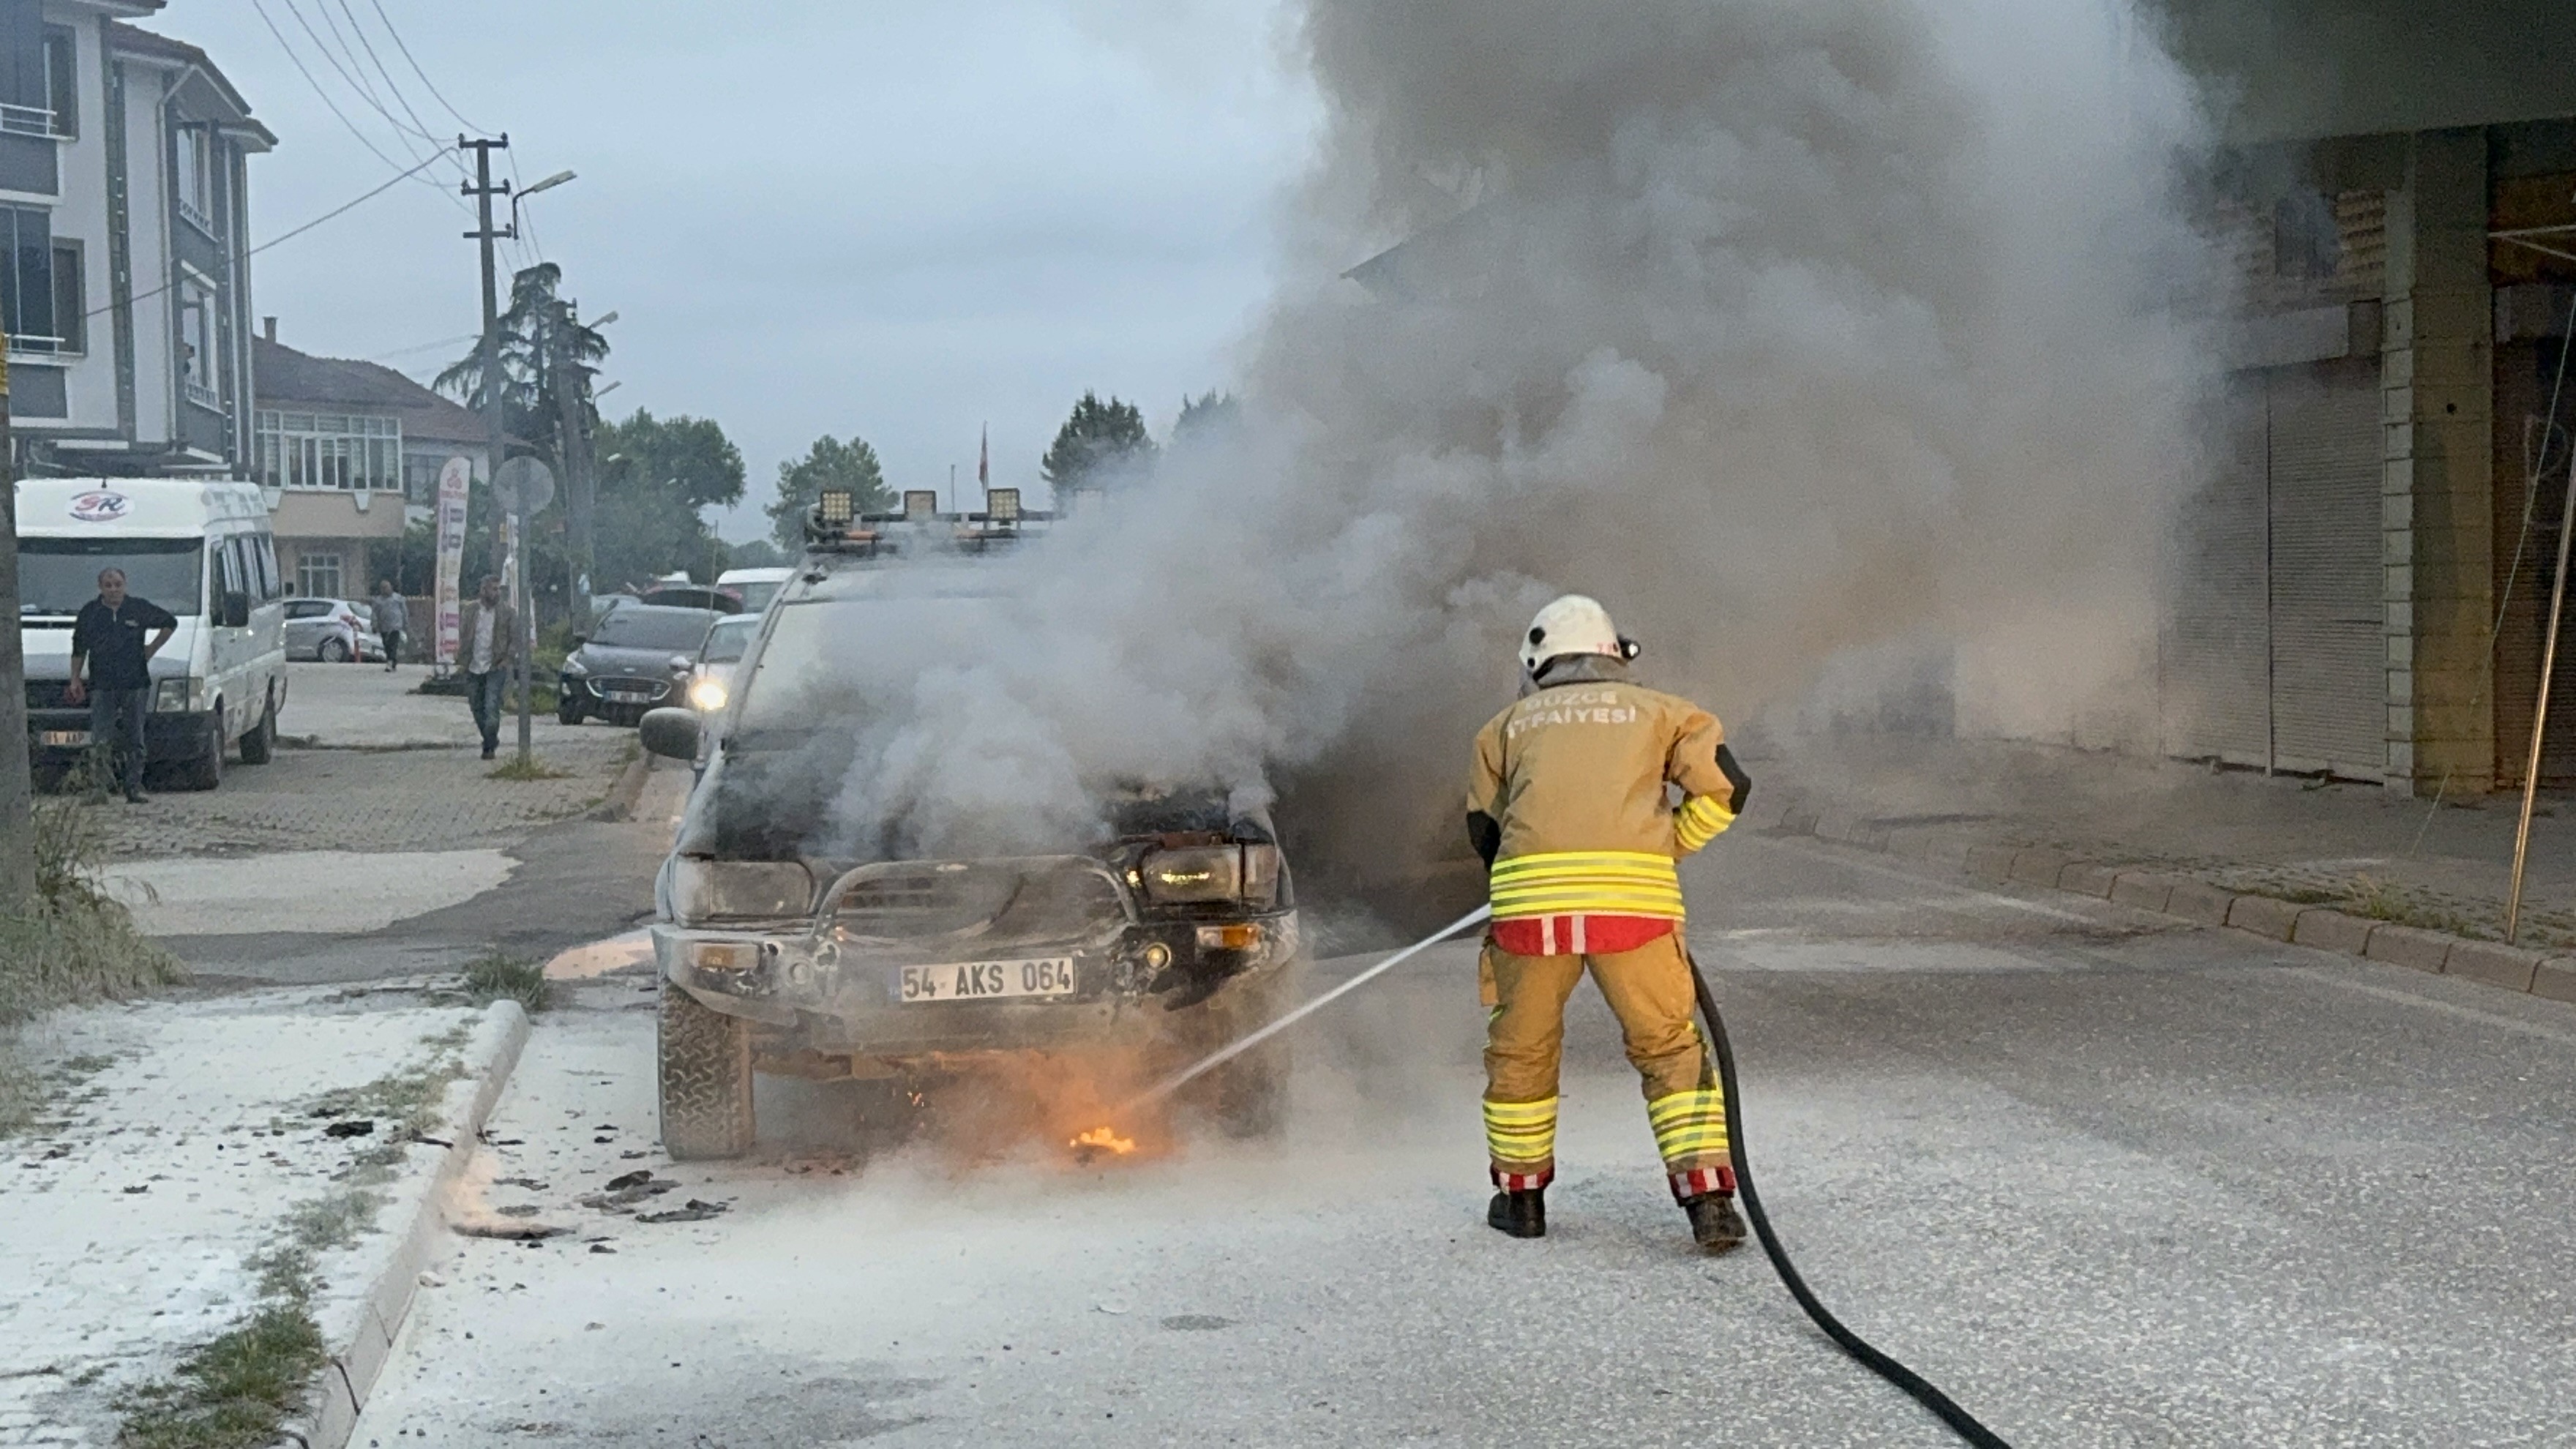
x: 837, y: 507
x: 1002, y: 505
x: 920, y: 505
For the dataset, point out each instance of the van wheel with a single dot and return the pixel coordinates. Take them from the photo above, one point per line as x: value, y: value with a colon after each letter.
x: 206, y: 771
x: 260, y: 740
x: 705, y: 1062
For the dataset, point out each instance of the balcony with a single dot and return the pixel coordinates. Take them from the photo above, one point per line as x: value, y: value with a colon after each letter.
x: 203, y: 396
x: 31, y: 121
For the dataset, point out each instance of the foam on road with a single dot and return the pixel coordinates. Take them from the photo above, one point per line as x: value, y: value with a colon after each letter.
x: 308, y: 892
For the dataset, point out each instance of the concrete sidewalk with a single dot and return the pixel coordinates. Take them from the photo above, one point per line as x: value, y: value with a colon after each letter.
x: 192, y: 1155
x: 362, y: 707
x: 2355, y: 847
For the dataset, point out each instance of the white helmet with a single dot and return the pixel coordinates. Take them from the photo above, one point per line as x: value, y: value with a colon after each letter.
x: 1573, y: 624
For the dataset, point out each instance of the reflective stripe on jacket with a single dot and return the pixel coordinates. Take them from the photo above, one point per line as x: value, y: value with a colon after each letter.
x: 1575, y: 775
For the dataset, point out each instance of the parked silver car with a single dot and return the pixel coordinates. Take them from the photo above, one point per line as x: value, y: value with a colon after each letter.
x: 327, y: 630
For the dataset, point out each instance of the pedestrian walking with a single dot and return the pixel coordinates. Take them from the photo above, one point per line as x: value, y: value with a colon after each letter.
x: 392, y: 618
x: 490, y: 630
x: 108, y: 636
x: 1566, y: 803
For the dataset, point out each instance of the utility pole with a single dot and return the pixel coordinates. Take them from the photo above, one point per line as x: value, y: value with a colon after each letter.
x: 494, y: 407
x: 572, y: 407
x: 17, y: 791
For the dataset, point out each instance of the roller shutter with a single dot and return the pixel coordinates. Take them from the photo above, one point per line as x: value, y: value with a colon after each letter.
x: 2328, y: 635
x: 2216, y: 663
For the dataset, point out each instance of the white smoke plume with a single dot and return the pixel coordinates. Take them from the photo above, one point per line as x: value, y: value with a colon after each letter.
x: 1786, y: 327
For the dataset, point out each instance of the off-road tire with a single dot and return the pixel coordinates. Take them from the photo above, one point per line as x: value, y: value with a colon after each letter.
x: 705, y: 1079
x: 1247, y: 1098
x: 206, y: 771
x: 260, y: 740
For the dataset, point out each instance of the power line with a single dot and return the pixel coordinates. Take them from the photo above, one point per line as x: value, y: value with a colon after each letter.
x: 325, y: 96
x: 424, y: 75
x: 392, y: 88
x: 378, y: 190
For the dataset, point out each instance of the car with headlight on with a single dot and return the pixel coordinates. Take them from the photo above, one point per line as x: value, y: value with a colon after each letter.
x: 795, y: 938
x: 635, y: 659
x: 710, y: 682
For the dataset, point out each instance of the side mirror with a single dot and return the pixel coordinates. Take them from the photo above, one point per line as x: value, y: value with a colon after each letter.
x: 681, y: 664
x: 236, y: 611
x: 670, y: 732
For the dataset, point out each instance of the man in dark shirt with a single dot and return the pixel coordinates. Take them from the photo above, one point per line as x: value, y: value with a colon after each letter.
x: 108, y: 634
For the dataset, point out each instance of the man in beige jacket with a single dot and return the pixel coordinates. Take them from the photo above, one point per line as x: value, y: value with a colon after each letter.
x: 1567, y: 802
x: 487, y: 644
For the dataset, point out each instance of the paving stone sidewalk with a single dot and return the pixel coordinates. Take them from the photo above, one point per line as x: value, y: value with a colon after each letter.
x: 2358, y: 848
x: 181, y: 1138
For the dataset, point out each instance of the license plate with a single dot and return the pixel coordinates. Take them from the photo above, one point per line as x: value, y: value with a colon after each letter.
x: 987, y: 980
x: 630, y: 696
x: 71, y: 738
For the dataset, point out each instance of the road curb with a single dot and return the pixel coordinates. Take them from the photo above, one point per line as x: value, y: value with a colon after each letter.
x: 619, y: 803
x: 2547, y: 974
x: 360, y: 1350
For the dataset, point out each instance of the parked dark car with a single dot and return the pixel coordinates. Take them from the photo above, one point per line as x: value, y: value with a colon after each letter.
x: 693, y: 596
x: 639, y: 657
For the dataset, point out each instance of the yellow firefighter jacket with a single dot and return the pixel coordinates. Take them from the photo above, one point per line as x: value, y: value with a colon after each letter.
x: 1575, y: 775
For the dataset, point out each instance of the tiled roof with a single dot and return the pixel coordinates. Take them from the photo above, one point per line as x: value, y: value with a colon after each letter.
x: 286, y: 378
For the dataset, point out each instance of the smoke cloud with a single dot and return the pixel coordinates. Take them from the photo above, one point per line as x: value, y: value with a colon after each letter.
x: 1791, y: 329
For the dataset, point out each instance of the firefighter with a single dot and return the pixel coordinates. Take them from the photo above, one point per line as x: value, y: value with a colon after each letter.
x: 1567, y: 804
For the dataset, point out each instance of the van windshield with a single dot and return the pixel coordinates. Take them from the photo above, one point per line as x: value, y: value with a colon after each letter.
x: 58, y: 575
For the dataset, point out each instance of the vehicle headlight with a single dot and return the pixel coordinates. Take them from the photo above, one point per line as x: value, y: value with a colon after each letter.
x: 1212, y: 873
x: 171, y: 695
x: 708, y: 694
x: 703, y: 889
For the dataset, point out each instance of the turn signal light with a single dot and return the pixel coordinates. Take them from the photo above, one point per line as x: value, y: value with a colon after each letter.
x: 1239, y: 937
x: 720, y: 956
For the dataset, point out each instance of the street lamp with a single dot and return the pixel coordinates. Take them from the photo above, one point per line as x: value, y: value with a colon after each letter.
x: 558, y: 179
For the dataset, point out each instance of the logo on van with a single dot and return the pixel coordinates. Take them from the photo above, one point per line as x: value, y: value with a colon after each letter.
x: 100, y: 506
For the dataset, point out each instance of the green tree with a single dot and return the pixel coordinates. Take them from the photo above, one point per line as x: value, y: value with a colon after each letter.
x: 1210, y: 415
x: 529, y: 374
x: 1101, y: 444
x: 830, y: 463
x: 756, y: 553
x: 656, y: 475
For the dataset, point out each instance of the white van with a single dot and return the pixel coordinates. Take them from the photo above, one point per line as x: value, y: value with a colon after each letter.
x: 756, y: 586
x: 198, y: 548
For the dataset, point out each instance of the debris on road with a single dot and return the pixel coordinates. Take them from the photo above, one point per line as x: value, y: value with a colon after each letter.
x: 696, y: 1210
x: 361, y: 1127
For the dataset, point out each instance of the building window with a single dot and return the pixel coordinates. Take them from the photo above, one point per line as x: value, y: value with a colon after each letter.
x: 27, y: 289
x: 327, y: 450
x: 71, y: 299
x: 197, y: 176
x: 196, y: 345
x: 317, y: 575
x: 62, y: 94
x: 2307, y: 241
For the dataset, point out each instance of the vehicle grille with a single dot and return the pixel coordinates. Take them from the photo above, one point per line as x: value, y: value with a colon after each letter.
x: 651, y: 689
x: 998, y: 902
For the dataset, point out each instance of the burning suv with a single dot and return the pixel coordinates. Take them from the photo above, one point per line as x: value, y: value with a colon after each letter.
x: 786, y: 947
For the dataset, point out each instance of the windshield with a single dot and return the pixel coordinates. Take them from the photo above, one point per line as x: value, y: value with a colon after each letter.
x: 726, y: 641
x: 827, y: 660
x: 58, y: 575
x: 676, y: 630
x: 756, y: 597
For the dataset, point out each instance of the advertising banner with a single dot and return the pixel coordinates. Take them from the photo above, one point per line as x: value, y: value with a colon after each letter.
x: 453, y: 480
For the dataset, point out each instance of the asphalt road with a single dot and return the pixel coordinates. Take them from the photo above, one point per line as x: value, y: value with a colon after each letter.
x: 2107, y: 1179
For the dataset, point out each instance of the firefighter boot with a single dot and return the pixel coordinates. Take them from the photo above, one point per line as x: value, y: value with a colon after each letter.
x: 1715, y: 1224
x: 1519, y: 1214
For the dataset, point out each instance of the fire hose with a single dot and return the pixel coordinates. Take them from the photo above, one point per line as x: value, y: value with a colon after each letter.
x: 1921, y: 1390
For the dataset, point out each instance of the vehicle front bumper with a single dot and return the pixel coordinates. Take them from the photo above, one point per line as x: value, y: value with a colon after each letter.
x: 844, y: 997
x: 167, y: 734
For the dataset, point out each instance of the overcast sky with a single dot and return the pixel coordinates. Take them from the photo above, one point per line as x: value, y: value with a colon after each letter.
x: 842, y: 216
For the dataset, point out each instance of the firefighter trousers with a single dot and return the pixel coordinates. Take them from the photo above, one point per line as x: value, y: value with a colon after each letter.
x: 1649, y: 990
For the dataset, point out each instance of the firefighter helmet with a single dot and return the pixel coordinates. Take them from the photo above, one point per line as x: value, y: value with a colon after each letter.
x: 1573, y: 624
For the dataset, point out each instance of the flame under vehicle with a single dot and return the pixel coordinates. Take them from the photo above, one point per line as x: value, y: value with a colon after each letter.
x: 792, y: 941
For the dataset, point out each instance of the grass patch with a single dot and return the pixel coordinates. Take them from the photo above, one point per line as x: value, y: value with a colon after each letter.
x: 495, y: 976
x: 78, y: 943
x: 234, y: 1392
x: 2380, y: 901
x: 408, y: 1098
x: 531, y: 768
